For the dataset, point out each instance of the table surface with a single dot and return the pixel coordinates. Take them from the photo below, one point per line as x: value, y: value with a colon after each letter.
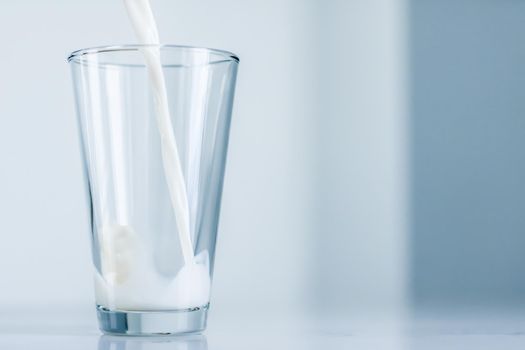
x: 488, y: 331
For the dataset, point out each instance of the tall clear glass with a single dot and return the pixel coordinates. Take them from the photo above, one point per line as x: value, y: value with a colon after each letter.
x: 145, y: 280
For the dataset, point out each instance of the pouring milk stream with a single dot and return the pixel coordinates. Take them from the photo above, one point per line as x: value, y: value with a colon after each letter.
x: 130, y: 280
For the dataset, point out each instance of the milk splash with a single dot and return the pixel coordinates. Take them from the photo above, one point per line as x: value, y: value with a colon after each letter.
x: 129, y: 278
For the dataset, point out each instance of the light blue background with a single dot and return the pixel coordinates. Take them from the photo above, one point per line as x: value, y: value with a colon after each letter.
x: 375, y: 159
x: 468, y: 151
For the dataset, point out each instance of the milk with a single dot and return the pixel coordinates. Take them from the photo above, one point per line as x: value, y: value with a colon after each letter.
x: 145, y: 28
x: 129, y: 279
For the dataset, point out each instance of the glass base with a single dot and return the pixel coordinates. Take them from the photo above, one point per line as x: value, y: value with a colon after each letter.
x: 143, y: 323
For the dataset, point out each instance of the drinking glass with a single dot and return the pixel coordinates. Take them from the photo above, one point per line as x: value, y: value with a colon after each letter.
x: 143, y: 282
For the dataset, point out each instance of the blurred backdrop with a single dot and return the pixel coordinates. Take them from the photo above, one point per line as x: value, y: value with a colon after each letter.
x: 375, y: 163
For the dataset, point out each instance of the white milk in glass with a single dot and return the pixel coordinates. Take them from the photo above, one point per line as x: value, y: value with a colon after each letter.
x: 130, y: 280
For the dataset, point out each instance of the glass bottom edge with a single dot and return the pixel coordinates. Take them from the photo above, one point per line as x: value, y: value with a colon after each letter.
x: 154, y: 323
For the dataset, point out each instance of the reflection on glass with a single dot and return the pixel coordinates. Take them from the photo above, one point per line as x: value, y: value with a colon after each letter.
x: 189, y: 342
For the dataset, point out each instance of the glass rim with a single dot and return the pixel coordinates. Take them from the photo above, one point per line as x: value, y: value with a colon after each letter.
x: 226, y: 56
